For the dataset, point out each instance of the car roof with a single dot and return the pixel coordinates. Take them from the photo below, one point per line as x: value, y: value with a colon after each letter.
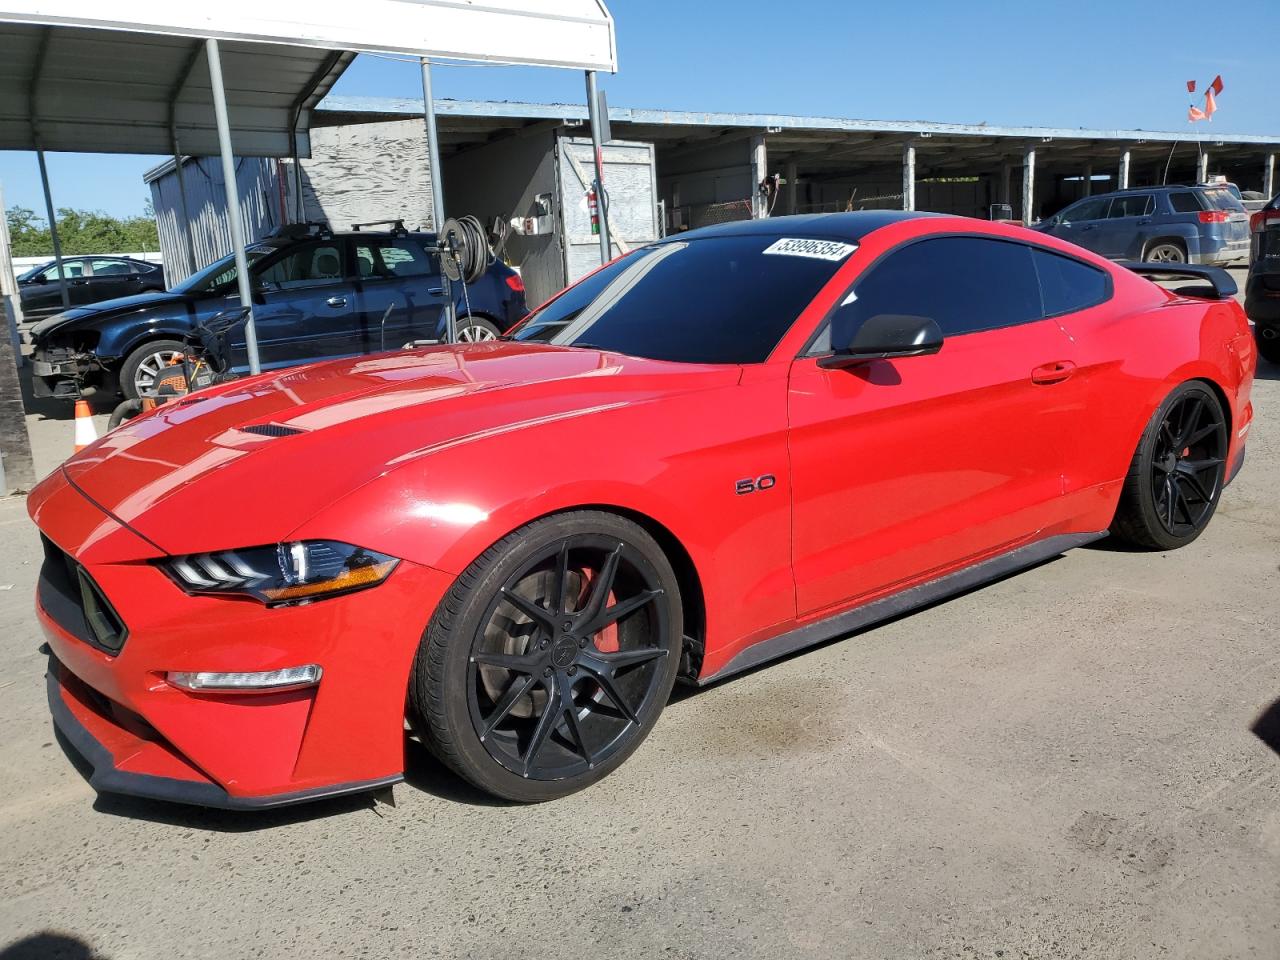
x: 837, y: 226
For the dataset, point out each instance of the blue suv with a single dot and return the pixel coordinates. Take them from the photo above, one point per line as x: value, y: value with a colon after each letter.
x: 317, y: 295
x: 1202, y: 224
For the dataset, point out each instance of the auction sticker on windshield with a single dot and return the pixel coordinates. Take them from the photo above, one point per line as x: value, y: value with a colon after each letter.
x: 817, y: 249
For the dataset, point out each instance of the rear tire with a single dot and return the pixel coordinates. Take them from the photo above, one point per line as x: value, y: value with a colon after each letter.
x: 476, y: 330
x: 1177, y: 472
x: 550, y: 658
x: 1165, y: 252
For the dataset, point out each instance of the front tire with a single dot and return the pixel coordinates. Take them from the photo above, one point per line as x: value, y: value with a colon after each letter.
x: 145, y: 366
x: 550, y: 658
x: 1177, y: 472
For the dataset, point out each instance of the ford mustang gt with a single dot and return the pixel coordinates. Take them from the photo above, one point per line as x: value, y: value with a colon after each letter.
x: 714, y: 451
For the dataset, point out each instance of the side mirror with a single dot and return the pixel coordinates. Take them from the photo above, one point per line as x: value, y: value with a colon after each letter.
x: 887, y: 336
x: 39, y: 278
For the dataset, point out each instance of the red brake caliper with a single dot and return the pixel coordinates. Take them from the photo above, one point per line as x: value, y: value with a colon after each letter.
x: 606, y: 640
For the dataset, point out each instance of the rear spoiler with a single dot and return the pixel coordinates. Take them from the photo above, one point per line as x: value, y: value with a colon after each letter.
x: 1216, y: 283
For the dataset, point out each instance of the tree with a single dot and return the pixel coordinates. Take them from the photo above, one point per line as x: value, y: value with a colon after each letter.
x: 81, y: 231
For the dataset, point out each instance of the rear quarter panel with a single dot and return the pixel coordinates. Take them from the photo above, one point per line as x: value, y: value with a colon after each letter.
x: 1132, y: 352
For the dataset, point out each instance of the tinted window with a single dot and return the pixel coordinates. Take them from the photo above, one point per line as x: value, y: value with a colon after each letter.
x: 110, y: 268
x: 709, y: 300
x: 392, y: 258
x: 74, y: 268
x: 1222, y: 199
x: 1086, y: 210
x: 222, y: 273
x: 1138, y: 205
x: 1068, y: 285
x: 966, y: 284
x: 1184, y: 201
x: 308, y: 265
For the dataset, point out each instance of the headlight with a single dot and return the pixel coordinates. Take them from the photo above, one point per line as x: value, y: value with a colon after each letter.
x: 282, y: 573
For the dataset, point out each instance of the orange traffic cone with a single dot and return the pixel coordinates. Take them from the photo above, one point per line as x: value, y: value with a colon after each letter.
x: 85, y: 432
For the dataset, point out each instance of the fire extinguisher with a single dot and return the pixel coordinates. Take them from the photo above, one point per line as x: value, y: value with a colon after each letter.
x: 593, y: 207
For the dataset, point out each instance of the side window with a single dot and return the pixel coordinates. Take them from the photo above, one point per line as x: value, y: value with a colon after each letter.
x: 1067, y: 284
x: 109, y: 268
x: 1138, y: 205
x: 965, y: 284
x: 1184, y: 201
x: 306, y: 266
x: 1086, y: 210
x: 74, y: 268
x: 400, y: 258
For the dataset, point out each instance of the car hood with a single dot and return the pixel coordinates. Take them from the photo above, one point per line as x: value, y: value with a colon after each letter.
x: 104, y: 309
x: 247, y: 463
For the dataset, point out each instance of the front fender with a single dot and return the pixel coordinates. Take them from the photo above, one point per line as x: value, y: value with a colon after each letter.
x: 675, y: 460
x: 120, y: 338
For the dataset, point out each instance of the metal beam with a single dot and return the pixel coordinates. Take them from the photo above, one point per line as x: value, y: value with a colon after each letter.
x: 1028, y: 185
x: 1269, y: 175
x: 908, y: 176
x: 437, y: 193
x: 1088, y: 179
x: 233, y: 201
x: 792, y: 175
x: 295, y: 114
x: 175, y: 94
x: 1122, y: 180
x: 597, y: 152
x: 33, y: 87
x: 759, y: 170
x: 1202, y: 167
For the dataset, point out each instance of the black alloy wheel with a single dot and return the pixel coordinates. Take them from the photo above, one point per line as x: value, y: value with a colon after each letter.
x: 558, y: 660
x: 1177, y: 473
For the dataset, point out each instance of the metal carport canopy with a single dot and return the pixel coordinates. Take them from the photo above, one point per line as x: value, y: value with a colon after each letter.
x: 130, y: 75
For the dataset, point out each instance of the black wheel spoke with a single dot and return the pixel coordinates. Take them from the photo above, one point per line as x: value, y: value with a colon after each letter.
x: 1169, y: 498
x: 604, y: 677
x: 571, y: 721
x: 1201, y: 434
x: 1190, y: 417
x: 1199, y: 466
x: 1181, y: 501
x: 619, y: 610
x: 1192, y: 481
x: 546, y: 723
x: 520, y: 663
x: 519, y: 686
x: 630, y: 658
x: 536, y: 612
x: 562, y: 579
x: 602, y: 586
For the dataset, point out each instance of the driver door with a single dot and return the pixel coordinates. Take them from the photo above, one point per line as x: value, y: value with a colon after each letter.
x: 1081, y: 223
x: 905, y: 468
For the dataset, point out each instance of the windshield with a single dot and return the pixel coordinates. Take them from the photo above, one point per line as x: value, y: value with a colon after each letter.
x: 222, y: 273
x: 28, y: 274
x: 708, y: 300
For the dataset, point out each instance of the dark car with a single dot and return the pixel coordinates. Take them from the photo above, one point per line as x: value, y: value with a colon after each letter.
x: 1262, y: 291
x: 1201, y: 224
x: 316, y: 297
x: 89, y: 280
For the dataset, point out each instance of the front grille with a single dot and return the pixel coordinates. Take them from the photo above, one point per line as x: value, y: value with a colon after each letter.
x: 77, y: 604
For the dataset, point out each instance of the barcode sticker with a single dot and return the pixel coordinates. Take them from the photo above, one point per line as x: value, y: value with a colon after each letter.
x: 817, y: 249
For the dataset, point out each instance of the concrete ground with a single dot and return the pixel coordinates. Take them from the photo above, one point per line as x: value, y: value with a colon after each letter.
x: 1058, y: 765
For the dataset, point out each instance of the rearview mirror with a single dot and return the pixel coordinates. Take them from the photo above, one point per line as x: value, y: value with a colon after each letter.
x: 887, y: 336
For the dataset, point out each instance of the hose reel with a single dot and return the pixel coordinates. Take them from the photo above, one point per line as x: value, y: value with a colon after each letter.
x: 464, y: 249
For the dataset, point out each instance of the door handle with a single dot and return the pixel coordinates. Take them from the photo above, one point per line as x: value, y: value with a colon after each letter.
x: 1054, y: 372
x: 436, y: 291
x: 1144, y: 221
x: 1087, y: 226
x: 337, y: 301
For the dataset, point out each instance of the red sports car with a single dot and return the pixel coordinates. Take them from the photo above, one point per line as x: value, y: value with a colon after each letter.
x: 714, y: 451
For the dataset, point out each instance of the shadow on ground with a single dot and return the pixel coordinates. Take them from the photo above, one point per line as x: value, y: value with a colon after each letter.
x: 48, y: 945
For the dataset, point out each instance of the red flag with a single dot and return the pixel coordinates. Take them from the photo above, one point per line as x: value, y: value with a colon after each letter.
x: 1217, y: 85
x: 1194, y: 114
x: 1210, y: 105
x: 1191, y: 86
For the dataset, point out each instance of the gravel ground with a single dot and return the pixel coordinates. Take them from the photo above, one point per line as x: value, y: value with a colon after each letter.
x: 1058, y: 765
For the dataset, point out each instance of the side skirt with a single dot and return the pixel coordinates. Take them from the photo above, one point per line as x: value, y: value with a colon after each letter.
x: 905, y: 601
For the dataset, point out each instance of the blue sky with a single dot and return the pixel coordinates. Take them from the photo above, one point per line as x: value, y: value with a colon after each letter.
x: 1084, y: 63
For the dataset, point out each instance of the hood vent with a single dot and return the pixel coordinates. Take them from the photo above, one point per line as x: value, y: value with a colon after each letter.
x: 271, y: 430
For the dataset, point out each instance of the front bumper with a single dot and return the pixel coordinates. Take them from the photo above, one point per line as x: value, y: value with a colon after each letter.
x: 62, y: 373
x: 146, y: 737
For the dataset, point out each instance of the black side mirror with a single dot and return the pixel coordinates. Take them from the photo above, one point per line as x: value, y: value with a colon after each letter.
x: 887, y: 336
x: 39, y: 278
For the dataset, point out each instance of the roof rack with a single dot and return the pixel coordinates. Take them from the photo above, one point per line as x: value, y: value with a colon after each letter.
x: 298, y: 231
x: 397, y: 226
